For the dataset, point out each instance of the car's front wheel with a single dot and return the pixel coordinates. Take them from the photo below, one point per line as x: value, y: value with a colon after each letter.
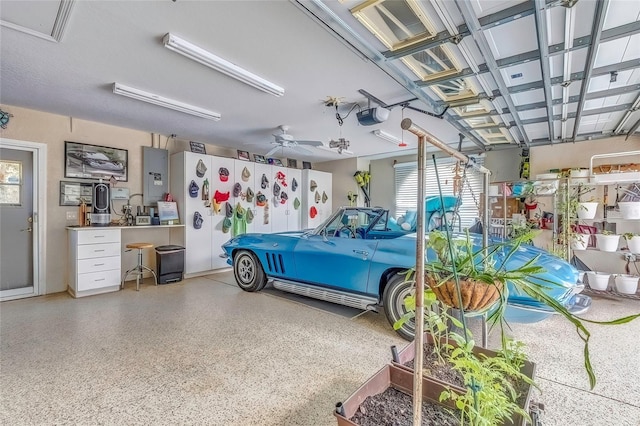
x: 248, y: 271
x: 397, y: 289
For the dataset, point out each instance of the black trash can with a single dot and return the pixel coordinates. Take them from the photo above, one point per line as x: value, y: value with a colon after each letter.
x: 169, y: 263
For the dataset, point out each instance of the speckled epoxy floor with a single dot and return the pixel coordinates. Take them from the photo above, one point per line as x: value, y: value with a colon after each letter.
x: 204, y: 352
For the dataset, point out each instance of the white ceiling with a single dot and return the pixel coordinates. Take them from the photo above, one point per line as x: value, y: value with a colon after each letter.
x: 107, y: 41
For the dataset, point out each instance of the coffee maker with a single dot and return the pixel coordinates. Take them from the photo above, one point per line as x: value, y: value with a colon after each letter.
x: 100, y: 211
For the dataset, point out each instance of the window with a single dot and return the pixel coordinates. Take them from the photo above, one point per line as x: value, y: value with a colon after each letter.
x: 455, y: 90
x: 10, y: 182
x: 395, y: 23
x: 432, y: 63
x: 406, y: 180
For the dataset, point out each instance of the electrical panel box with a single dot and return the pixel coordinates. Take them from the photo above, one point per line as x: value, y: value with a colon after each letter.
x: 155, y: 175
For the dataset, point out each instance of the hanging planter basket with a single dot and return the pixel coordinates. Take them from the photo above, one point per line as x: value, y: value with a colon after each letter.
x: 476, y: 295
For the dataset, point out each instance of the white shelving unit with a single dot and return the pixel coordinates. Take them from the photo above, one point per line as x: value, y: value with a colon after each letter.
x: 605, y: 185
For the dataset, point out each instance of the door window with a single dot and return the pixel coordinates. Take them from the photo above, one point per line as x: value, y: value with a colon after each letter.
x: 10, y: 182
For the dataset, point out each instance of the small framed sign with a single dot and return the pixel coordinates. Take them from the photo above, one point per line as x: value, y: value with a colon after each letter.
x: 306, y: 165
x: 197, y: 147
x: 259, y: 159
x: 292, y: 163
x: 276, y: 162
x: 168, y: 213
x: 243, y: 155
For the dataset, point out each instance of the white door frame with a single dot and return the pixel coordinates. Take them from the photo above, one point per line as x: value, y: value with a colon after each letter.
x: 39, y: 151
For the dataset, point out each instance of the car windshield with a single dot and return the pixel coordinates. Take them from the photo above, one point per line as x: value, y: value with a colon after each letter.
x: 351, y: 219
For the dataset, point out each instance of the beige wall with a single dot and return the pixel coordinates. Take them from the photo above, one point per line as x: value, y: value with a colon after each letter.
x: 54, y: 130
x: 574, y: 155
x: 342, y: 180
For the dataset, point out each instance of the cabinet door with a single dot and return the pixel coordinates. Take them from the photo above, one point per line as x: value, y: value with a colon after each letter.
x: 294, y: 215
x: 198, y: 241
x: 315, y: 185
x: 222, y: 188
x: 280, y: 177
x: 244, y: 175
x: 262, y: 213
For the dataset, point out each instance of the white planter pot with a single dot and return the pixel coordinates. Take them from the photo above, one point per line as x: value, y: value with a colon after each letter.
x: 629, y: 209
x: 627, y: 284
x: 587, y: 210
x: 579, y: 176
x: 607, y: 242
x: 598, y: 280
x: 580, y: 241
x: 634, y: 244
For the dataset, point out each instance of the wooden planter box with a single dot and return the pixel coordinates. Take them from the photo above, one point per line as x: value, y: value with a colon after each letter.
x: 408, y: 353
x: 390, y: 376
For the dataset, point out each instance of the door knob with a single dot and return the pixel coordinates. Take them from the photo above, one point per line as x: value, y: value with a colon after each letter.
x: 27, y: 229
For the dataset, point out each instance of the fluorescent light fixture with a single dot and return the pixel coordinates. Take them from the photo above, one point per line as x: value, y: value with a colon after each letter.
x: 207, y: 58
x: 130, y: 92
x: 388, y: 137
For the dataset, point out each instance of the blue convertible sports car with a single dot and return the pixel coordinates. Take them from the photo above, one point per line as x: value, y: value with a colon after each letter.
x: 354, y: 259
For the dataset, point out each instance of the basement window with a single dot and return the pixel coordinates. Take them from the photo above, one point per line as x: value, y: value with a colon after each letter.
x: 455, y: 90
x: 494, y: 136
x: 473, y: 109
x: 478, y: 122
x: 431, y: 63
x: 396, y: 23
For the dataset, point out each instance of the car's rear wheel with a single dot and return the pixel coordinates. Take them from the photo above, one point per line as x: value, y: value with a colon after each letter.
x: 248, y: 271
x: 395, y: 292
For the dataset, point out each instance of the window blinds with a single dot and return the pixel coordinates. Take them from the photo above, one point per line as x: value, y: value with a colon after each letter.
x: 406, y: 185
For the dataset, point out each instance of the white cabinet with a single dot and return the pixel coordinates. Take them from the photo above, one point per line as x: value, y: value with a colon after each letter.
x: 202, y: 246
x: 94, y: 261
x: 316, y: 197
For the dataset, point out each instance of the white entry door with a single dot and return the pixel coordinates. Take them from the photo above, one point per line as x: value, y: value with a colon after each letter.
x: 20, y: 230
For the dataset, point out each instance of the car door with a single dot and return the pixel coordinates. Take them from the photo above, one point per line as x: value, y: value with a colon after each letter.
x: 335, y: 262
x: 341, y: 262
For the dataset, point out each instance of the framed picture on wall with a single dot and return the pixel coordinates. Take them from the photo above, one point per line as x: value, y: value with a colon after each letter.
x: 243, y: 155
x: 95, y: 162
x: 259, y: 159
x: 306, y: 165
x: 292, y: 163
x: 71, y: 193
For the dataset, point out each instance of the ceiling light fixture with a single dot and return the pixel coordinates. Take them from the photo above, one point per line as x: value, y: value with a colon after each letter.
x: 389, y: 138
x: 130, y: 92
x: 207, y: 58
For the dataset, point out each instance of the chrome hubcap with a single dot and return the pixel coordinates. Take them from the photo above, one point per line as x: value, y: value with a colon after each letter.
x: 246, y: 270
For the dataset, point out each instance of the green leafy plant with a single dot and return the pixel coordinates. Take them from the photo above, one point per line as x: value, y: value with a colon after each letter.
x: 457, y: 259
x: 606, y: 232
x: 629, y: 235
x: 491, y: 397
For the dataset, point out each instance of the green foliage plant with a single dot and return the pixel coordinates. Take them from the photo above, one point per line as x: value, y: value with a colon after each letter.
x: 481, y: 265
x: 491, y: 397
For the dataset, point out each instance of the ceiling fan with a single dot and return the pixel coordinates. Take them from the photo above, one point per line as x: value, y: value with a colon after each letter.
x: 286, y: 140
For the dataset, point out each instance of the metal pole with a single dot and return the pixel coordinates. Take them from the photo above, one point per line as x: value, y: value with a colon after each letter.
x: 407, y: 124
x: 420, y: 235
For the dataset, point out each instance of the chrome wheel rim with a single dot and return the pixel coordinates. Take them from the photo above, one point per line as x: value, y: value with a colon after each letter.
x: 246, y: 270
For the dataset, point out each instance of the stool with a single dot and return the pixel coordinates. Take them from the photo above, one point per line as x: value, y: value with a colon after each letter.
x: 139, y: 268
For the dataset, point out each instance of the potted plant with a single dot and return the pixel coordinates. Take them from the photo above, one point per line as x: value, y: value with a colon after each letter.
x: 633, y: 241
x: 626, y: 284
x: 598, y: 280
x: 484, y: 282
x: 587, y: 209
x: 454, y: 362
x: 607, y: 241
x: 579, y: 241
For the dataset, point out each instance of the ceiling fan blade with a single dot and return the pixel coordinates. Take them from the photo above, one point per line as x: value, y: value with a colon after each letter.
x: 310, y: 143
x: 301, y: 149
x: 273, y: 150
x: 347, y: 152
